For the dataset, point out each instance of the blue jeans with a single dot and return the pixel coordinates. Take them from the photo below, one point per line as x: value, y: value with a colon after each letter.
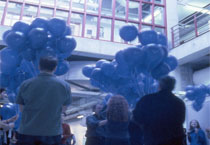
x: 38, y: 140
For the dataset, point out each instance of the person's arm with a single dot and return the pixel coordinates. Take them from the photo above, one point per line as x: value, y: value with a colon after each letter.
x: 92, y: 122
x: 189, y: 136
x: 74, y: 139
x: 68, y: 98
x: 12, y: 119
x: 19, y: 98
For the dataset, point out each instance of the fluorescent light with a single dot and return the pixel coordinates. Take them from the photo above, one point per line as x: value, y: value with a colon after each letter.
x: 80, y: 116
x: 197, y: 9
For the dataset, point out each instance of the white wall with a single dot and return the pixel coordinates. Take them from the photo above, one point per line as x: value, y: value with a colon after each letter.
x: 202, y: 76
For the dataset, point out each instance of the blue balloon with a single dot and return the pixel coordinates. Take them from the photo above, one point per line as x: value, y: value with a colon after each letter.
x: 11, y: 97
x: 162, y: 39
x: 28, y: 54
x: 87, y: 70
x: 5, y: 35
x: 197, y: 107
x: 128, y: 33
x: 29, y: 68
x: 107, y: 68
x: 164, y: 49
x: 40, y: 23
x: 148, y: 37
x: 134, y: 56
x: 189, y: 87
x: 160, y: 71
x: 62, y: 68
x: 37, y: 38
x: 8, y: 111
x: 119, y: 57
x: 67, y: 44
x: 100, y: 62
x: 123, y: 70
x: 154, y: 56
x: 96, y: 74
x: 172, y: 62
x: 15, y: 40
x: 190, y: 95
x: 46, y: 52
x: 4, y: 80
x: 67, y: 31
x: 21, y: 27
x: 57, y: 26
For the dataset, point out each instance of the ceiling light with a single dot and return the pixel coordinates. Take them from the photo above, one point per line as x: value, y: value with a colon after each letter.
x: 80, y: 116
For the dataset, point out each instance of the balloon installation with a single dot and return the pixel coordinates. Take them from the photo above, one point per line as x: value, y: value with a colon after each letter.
x: 197, y: 94
x: 134, y: 71
x: 26, y: 44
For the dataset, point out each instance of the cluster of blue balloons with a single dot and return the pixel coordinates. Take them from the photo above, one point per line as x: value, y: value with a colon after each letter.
x: 26, y: 44
x: 197, y: 94
x: 134, y: 71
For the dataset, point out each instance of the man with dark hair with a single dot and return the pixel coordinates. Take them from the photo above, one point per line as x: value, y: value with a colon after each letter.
x: 42, y: 100
x: 161, y: 115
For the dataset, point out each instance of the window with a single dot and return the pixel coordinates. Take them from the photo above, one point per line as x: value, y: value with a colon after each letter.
x: 47, y: 3
x: 62, y: 14
x: 133, y: 11
x: 120, y: 9
x: 78, y: 5
x: 117, y: 26
x: 13, y: 13
x: 63, y: 4
x: 92, y: 6
x: 146, y: 27
x: 91, y: 26
x: 159, y: 15
x: 46, y: 12
x: 32, y: 1
x: 159, y: 1
x: 107, y: 7
x: 136, y: 41
x: 29, y: 13
x: 161, y: 30
x: 76, y: 24
x: 146, y: 13
x: 105, y: 29
x: 2, y: 5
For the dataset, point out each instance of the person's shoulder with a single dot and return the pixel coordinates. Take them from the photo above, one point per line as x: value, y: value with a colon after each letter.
x: 148, y: 97
x: 61, y: 82
x: 28, y: 81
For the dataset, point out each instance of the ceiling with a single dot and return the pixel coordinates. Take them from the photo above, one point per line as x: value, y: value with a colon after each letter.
x: 184, y: 11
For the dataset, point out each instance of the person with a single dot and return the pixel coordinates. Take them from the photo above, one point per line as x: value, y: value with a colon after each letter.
x: 208, y: 132
x: 196, y: 135
x: 42, y: 99
x: 136, y: 133
x: 95, y: 127
x: 161, y: 115
x: 2, y: 93
x: 67, y: 137
x: 117, y: 121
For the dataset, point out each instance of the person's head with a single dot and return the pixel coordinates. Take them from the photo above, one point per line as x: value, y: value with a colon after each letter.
x: 2, y: 90
x: 117, y: 109
x: 97, y: 108
x: 194, y: 124
x: 48, y: 64
x: 167, y: 83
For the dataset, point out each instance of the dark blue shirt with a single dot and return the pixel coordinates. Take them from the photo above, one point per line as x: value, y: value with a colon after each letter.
x: 197, y: 138
x: 161, y: 115
x: 43, y: 98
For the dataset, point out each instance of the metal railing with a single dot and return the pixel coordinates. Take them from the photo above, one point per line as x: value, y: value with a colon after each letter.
x: 191, y: 27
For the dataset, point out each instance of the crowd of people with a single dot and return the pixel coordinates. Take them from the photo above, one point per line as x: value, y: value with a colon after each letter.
x: 157, y: 118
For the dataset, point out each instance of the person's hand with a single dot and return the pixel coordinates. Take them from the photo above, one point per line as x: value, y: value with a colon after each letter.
x: 14, y: 118
x: 101, y: 123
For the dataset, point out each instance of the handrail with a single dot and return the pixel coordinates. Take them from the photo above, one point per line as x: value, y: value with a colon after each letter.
x: 191, y: 27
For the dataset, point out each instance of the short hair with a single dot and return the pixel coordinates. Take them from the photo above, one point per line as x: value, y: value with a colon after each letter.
x: 2, y: 90
x: 48, y: 63
x: 167, y: 83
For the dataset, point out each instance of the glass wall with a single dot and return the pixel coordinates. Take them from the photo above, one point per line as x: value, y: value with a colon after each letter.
x: 95, y: 19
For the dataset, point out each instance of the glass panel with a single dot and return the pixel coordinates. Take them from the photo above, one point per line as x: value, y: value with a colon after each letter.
x: 78, y: 5
x: 106, y: 8
x: 63, y: 4
x: 146, y: 27
x: 105, y: 29
x: 203, y: 23
x: 47, y: 2
x: 90, y: 26
x: 46, y: 12
x: 147, y: 0
x: 32, y: 1
x: 133, y: 11
x: 146, y: 13
x: 76, y: 24
x: 62, y: 14
x: 13, y: 13
x: 29, y: 13
x: 161, y: 30
x: 136, y: 41
x: 159, y: 15
x: 120, y: 9
x: 159, y: 1
x: 117, y: 26
x: 2, y: 5
x: 92, y: 6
